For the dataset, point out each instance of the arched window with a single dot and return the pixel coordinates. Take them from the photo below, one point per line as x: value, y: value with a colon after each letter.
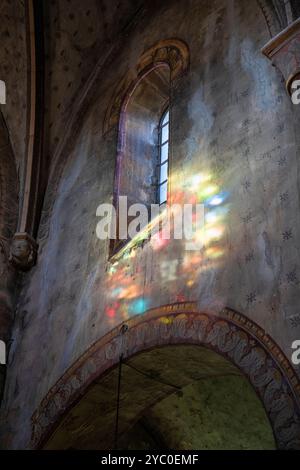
x: 146, y: 112
x: 2, y: 92
x: 163, y: 157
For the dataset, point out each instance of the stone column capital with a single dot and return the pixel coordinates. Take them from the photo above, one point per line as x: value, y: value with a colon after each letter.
x: 284, y: 52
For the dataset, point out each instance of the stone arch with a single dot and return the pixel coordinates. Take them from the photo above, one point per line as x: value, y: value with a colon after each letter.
x: 172, y: 52
x: 227, y: 333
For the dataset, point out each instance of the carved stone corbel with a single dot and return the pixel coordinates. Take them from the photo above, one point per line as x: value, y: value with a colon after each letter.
x: 284, y: 52
x: 23, y: 251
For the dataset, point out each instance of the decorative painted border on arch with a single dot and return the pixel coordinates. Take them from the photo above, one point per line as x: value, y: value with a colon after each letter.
x: 229, y: 333
x: 171, y: 52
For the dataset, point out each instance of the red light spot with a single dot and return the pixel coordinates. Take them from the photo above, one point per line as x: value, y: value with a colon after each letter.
x: 110, y: 312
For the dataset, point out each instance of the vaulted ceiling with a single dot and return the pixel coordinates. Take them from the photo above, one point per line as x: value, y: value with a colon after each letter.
x: 175, y: 397
x: 77, y: 35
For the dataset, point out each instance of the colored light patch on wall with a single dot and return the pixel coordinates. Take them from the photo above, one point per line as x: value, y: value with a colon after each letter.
x: 138, y: 306
x: 129, y: 281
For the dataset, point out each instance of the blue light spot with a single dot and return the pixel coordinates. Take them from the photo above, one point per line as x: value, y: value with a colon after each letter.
x: 138, y: 306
